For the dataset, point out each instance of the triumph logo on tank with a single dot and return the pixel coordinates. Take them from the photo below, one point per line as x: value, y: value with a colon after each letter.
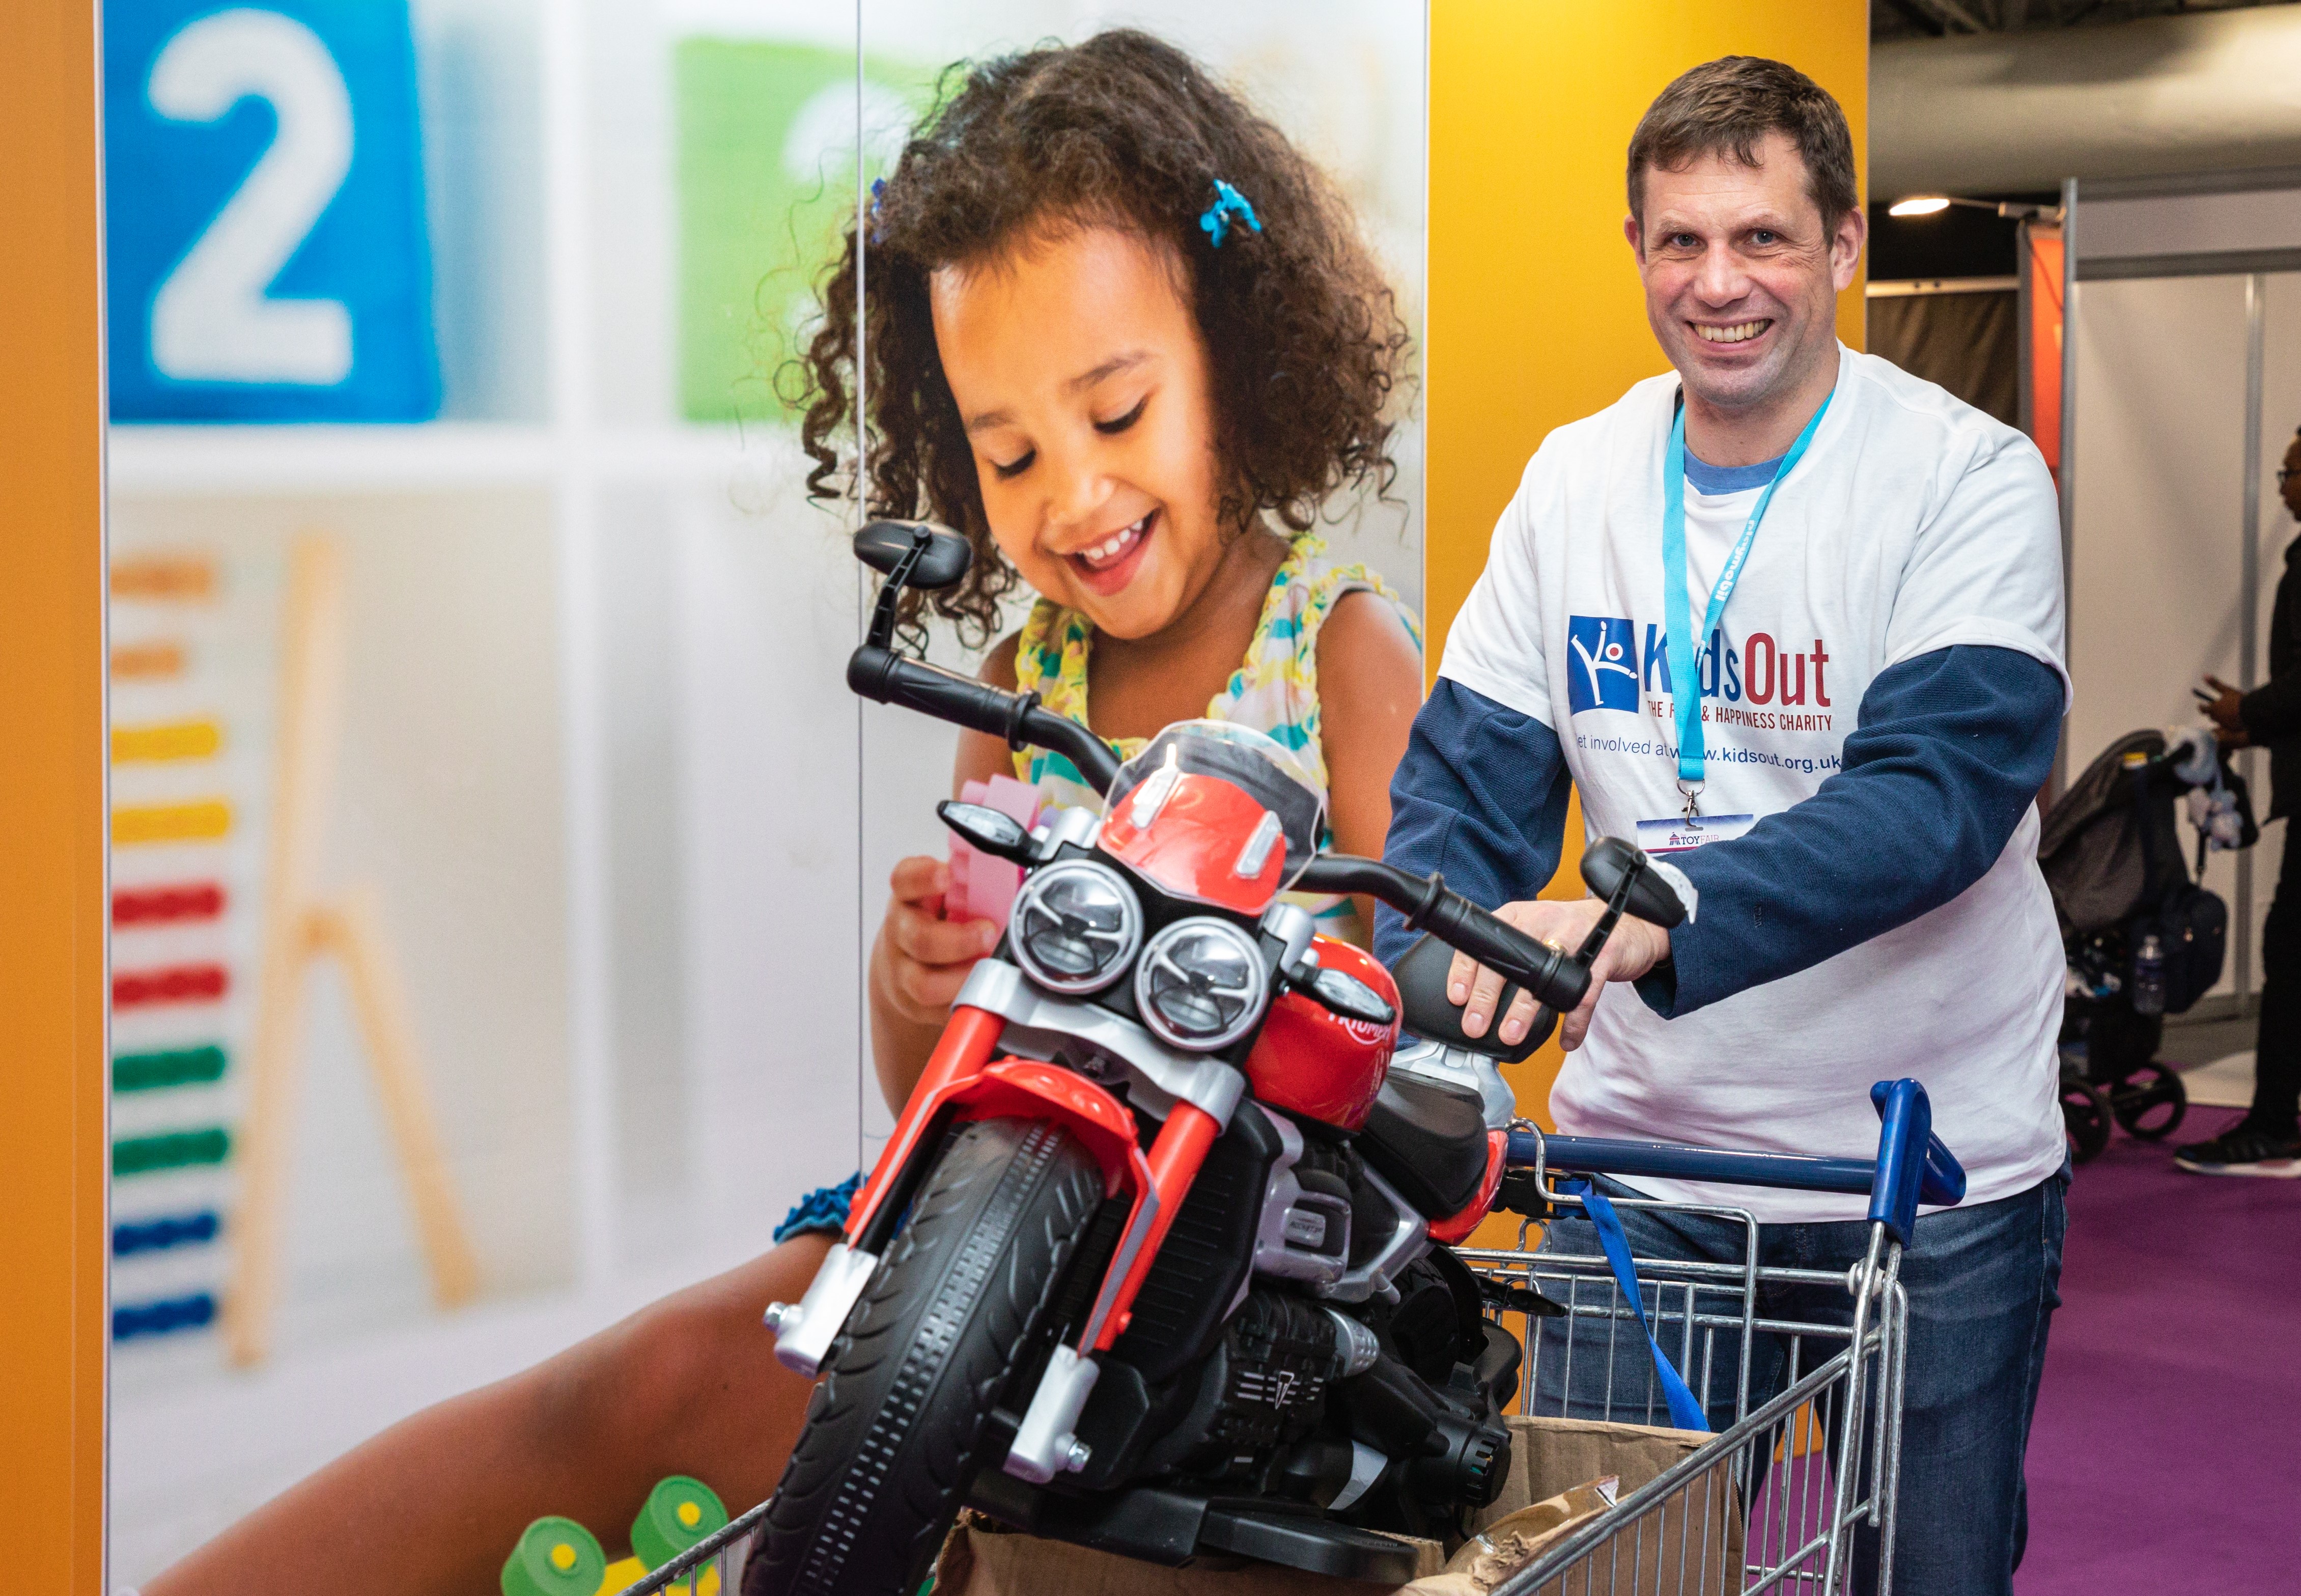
x: 1767, y: 683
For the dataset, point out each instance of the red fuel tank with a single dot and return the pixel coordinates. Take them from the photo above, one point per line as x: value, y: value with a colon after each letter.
x: 1315, y: 1062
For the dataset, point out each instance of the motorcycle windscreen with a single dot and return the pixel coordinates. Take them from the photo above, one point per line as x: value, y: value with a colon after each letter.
x: 1215, y: 813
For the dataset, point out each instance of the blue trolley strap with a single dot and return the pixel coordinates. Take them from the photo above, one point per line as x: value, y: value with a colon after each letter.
x: 1685, y: 1412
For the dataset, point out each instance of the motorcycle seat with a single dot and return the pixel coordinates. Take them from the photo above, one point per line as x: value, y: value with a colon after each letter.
x: 1428, y: 1139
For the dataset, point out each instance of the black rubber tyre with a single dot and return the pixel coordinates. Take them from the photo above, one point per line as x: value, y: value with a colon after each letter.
x: 901, y: 1419
x: 2150, y: 1102
x: 2085, y: 1114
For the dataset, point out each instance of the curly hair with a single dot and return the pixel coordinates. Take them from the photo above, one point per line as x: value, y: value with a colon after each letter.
x: 1303, y: 337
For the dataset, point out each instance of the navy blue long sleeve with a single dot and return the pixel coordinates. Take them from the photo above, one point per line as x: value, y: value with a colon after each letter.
x: 1948, y: 753
x: 1481, y: 796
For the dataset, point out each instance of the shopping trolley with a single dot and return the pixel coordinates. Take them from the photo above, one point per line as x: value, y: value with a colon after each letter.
x: 1779, y: 1497
x: 1767, y: 1503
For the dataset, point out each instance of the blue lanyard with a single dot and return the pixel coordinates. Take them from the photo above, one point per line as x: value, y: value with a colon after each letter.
x: 1678, y: 606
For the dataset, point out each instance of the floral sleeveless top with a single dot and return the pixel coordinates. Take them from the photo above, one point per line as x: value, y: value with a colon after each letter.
x: 1275, y: 690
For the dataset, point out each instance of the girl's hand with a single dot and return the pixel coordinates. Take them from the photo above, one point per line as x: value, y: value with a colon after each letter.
x: 1635, y: 947
x: 925, y: 958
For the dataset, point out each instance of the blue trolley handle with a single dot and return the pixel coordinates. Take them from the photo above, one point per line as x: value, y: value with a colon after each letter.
x: 1913, y: 1167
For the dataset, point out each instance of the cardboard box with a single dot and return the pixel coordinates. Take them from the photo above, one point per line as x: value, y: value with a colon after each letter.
x: 1547, y: 1456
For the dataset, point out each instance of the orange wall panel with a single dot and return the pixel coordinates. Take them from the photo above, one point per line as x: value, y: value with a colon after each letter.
x: 53, y: 1236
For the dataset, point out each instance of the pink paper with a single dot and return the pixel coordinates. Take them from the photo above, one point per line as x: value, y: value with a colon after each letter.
x: 982, y: 887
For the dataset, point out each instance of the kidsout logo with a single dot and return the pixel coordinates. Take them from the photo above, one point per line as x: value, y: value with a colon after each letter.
x: 1603, y: 673
x: 1609, y: 667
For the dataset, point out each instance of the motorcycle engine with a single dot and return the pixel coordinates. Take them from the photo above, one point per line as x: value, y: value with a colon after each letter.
x: 1263, y: 1387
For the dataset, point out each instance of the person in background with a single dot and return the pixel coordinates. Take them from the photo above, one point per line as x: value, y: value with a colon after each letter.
x: 2267, y: 1142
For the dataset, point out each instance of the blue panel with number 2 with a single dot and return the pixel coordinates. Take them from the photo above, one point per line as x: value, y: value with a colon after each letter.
x: 267, y: 252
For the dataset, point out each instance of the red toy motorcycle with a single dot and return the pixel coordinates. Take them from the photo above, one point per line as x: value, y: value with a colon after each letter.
x: 1155, y: 1260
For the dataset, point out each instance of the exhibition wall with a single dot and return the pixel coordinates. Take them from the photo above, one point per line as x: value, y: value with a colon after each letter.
x: 496, y: 844
x: 573, y: 730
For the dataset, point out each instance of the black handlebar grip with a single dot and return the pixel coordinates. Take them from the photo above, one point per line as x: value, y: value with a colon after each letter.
x: 886, y: 677
x: 1549, y: 972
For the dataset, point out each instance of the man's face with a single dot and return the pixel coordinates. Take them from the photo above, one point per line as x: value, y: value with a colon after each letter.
x: 1741, y: 280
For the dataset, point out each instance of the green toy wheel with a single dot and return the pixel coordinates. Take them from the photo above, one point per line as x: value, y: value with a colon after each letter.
x: 555, y: 1556
x: 679, y: 1512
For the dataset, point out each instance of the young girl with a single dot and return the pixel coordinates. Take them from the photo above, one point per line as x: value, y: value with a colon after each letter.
x: 1117, y: 327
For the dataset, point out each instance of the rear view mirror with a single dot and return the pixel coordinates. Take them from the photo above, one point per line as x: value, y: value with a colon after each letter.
x: 942, y: 555
x: 1609, y: 860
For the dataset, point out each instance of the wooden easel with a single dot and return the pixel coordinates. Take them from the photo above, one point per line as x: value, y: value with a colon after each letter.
x: 299, y: 927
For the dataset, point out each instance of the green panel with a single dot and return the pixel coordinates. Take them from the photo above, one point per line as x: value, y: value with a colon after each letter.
x: 141, y: 1155
x: 180, y: 1066
x: 767, y: 179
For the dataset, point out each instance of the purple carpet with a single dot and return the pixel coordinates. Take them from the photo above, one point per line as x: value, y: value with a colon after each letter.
x: 2166, y: 1456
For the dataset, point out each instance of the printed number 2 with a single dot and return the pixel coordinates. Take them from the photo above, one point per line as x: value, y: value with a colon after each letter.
x: 211, y: 319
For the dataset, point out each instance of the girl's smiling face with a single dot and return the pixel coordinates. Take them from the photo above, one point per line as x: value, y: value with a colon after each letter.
x: 1082, y: 381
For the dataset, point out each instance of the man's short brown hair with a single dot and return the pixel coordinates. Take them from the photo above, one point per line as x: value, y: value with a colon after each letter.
x: 1726, y: 107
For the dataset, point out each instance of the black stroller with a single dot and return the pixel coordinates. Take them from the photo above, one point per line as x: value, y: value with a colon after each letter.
x: 2142, y: 937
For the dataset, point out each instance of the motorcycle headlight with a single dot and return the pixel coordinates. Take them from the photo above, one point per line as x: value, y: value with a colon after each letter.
x: 1075, y: 925
x: 1202, y: 984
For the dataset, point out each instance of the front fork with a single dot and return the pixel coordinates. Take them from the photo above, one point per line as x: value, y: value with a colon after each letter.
x: 963, y: 1081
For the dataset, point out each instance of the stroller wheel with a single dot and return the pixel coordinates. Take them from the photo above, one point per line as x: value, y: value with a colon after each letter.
x: 2086, y: 1113
x: 2149, y: 1102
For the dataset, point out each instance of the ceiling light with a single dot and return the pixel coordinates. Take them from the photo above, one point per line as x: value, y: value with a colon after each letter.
x: 1923, y: 205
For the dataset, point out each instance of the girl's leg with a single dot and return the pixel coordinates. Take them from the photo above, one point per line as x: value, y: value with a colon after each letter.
x: 433, y: 1505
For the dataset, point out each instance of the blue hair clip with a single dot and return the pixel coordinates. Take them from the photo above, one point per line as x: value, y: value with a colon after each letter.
x: 878, y: 188
x: 1228, y: 203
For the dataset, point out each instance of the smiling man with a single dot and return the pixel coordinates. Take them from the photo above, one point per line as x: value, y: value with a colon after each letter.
x: 1792, y: 619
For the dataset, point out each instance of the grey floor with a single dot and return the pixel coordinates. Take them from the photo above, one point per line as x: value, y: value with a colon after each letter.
x: 2200, y: 1041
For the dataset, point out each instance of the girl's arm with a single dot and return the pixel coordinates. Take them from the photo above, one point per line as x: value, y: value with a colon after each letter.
x: 1369, y: 689
x: 921, y: 959
x: 433, y: 1506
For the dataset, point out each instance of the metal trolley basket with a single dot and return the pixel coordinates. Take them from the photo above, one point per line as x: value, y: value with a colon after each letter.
x: 1796, y: 1493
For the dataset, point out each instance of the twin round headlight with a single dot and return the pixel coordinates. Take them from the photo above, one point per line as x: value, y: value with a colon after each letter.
x: 1200, y: 985
x: 1075, y: 925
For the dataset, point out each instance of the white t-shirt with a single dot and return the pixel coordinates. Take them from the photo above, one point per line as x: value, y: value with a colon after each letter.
x: 1913, y: 522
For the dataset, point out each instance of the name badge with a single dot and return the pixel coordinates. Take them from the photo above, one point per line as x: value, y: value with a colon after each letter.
x: 1680, y: 835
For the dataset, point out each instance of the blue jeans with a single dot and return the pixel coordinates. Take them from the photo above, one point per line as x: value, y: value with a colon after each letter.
x: 1983, y: 1283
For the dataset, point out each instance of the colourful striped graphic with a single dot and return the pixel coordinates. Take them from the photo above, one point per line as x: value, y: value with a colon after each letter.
x: 166, y: 904
x: 148, y: 661
x: 166, y: 740
x: 169, y: 1230
x: 164, y: 577
x: 172, y: 984
x: 132, y: 1319
x: 177, y: 1067
x: 172, y: 1149
x: 200, y: 821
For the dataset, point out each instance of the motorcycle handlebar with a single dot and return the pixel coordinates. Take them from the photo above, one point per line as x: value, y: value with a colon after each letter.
x: 1549, y: 974
x: 886, y: 677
